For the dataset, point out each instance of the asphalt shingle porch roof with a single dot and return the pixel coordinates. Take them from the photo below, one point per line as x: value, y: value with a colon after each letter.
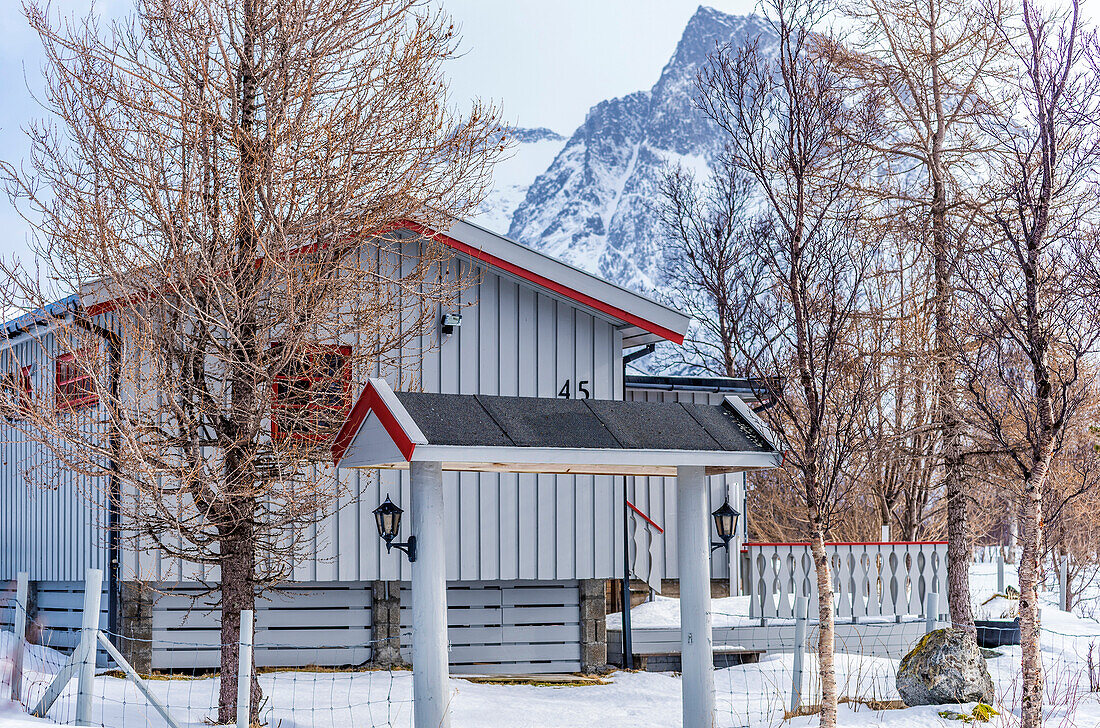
x: 481, y: 420
x: 548, y: 435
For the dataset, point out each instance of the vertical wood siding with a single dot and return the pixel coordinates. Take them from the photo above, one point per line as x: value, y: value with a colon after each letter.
x: 50, y: 518
x: 514, y: 340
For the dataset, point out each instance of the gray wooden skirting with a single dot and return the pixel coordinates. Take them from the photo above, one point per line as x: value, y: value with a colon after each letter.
x: 879, y: 639
x: 510, y: 627
x: 307, y: 624
x: 58, y: 611
x: 501, y: 627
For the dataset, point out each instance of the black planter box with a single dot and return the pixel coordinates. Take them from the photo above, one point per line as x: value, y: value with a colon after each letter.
x: 998, y: 632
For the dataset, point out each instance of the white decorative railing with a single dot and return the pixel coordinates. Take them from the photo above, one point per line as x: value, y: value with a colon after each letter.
x: 869, y: 579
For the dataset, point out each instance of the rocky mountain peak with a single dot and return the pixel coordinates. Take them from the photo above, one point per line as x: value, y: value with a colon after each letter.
x: 594, y: 206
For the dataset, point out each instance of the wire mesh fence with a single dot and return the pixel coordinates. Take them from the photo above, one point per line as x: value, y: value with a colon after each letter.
x: 299, y: 688
x: 769, y: 685
x: 771, y: 673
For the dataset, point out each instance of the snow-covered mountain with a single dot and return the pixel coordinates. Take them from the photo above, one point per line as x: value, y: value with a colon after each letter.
x: 532, y: 152
x: 592, y: 202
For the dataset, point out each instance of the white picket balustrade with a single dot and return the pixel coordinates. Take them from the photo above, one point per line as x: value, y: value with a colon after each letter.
x: 869, y: 579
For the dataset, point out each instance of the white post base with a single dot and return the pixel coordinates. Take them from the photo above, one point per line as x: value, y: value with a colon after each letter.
x: 696, y: 639
x: 431, y: 688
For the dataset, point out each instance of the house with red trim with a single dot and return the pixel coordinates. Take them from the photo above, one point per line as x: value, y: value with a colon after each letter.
x: 531, y: 558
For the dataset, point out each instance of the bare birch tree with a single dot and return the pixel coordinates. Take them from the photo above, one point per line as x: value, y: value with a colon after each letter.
x: 1027, y: 290
x: 897, y: 337
x: 711, y: 272
x: 929, y: 64
x: 778, y: 108
x: 218, y: 180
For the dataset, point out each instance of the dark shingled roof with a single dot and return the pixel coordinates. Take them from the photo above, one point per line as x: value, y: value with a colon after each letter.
x: 480, y: 420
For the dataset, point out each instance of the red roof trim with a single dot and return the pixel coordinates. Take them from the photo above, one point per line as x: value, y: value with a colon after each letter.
x: 477, y: 254
x: 850, y: 543
x: 547, y: 283
x: 368, y: 402
x: 113, y: 303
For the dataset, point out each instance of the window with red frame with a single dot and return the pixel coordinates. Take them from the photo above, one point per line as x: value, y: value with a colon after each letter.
x: 17, y: 393
x: 312, y: 394
x: 74, y: 384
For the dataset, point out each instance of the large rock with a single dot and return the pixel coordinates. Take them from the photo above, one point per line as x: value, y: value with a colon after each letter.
x: 944, y: 667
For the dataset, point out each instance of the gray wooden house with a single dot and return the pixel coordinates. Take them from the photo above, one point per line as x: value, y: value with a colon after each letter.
x: 529, y: 556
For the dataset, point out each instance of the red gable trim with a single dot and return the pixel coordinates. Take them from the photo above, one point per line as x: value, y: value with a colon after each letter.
x: 752, y: 544
x: 489, y: 259
x: 368, y: 402
x: 113, y: 303
x: 547, y: 283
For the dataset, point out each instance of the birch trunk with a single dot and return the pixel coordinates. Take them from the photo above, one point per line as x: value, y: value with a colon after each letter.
x: 826, y: 636
x: 1031, y: 541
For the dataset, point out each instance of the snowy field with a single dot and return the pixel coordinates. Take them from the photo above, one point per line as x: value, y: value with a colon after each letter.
x: 748, y: 695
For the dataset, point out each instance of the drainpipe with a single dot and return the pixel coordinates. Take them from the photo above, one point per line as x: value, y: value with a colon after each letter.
x: 114, y: 492
x: 628, y: 657
x: 628, y: 648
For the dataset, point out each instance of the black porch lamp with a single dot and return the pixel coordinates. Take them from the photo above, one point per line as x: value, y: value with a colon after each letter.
x: 388, y: 518
x: 725, y: 522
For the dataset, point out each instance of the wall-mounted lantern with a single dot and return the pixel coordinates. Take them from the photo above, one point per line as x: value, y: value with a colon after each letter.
x: 725, y: 522
x: 450, y: 322
x: 388, y: 518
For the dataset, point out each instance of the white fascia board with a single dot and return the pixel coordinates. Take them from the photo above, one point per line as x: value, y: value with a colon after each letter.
x: 754, y: 420
x: 596, y: 456
x: 569, y: 276
x: 634, y: 336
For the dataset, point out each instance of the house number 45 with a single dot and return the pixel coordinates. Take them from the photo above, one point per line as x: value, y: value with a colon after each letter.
x: 582, y: 390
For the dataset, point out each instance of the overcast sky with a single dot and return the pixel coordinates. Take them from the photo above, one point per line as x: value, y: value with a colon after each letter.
x: 545, y: 62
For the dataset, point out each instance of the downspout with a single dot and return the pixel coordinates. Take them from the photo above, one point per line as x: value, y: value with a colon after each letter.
x: 628, y: 647
x: 114, y: 491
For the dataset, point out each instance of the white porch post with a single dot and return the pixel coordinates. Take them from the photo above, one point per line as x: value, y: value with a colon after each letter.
x: 431, y: 691
x: 696, y: 640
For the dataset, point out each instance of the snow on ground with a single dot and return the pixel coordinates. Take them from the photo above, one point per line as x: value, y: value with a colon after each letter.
x: 665, y: 612
x: 12, y: 716
x: 747, y: 695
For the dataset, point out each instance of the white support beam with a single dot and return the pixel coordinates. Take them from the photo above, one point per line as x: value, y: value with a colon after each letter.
x: 696, y: 638
x: 431, y: 688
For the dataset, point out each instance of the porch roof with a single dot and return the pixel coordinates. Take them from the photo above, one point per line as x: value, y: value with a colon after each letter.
x: 542, y: 435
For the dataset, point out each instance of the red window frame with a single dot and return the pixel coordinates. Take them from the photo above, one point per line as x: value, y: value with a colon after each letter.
x: 75, y: 398
x: 314, y: 370
x: 23, y: 391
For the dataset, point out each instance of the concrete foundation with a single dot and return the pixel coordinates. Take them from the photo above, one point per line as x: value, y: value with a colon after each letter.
x: 136, y: 626
x: 593, y: 626
x: 386, y: 625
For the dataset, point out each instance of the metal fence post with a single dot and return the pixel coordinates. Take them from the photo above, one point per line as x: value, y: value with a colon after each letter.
x: 1000, y: 572
x: 931, y: 611
x: 85, y: 676
x: 801, y: 608
x: 244, y: 670
x: 22, y: 593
